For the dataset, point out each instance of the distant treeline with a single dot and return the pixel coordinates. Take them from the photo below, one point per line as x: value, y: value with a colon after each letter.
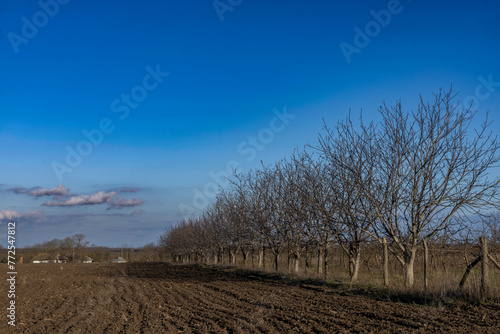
x: 77, y: 249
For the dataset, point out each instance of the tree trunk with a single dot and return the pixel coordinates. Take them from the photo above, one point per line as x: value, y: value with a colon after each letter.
x: 276, y: 256
x: 233, y: 257
x: 264, y: 258
x: 320, y: 260
x: 484, y: 266
x: 356, y: 263
x: 386, y: 263
x: 221, y: 253
x: 344, y: 263
x: 409, y: 268
x: 216, y: 257
x: 296, y: 259
x: 426, y: 265
x: 244, y: 253
x: 261, y: 256
x: 288, y: 260
x: 306, y: 266
x: 325, y: 259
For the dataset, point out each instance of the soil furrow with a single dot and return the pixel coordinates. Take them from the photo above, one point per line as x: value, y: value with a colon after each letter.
x: 164, y: 298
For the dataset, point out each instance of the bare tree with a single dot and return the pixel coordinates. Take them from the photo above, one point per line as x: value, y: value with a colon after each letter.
x: 322, y: 214
x: 178, y: 241
x: 79, y: 246
x: 432, y: 168
x: 150, y: 252
x: 99, y: 254
x: 259, y: 208
x: 269, y: 216
x: 293, y: 200
x: 216, y: 230
x: 349, y: 158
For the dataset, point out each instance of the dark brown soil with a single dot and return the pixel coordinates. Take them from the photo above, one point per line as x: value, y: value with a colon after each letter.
x: 163, y: 298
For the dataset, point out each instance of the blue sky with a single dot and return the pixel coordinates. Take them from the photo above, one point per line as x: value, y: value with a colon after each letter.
x: 237, y: 70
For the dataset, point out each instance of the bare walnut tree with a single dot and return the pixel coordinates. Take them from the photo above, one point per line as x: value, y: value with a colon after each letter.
x: 432, y: 168
x: 349, y: 158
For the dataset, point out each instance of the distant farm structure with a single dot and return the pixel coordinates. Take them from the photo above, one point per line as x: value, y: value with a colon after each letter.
x: 119, y: 259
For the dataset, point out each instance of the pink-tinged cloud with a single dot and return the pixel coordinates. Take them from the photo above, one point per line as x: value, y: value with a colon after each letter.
x: 97, y: 198
x: 10, y: 215
x: 60, y: 190
x: 121, y: 203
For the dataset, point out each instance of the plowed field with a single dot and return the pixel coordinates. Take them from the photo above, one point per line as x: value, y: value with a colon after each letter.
x: 163, y: 298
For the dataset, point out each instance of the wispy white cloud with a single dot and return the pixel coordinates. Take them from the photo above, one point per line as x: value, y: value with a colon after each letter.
x: 60, y: 190
x: 11, y: 215
x: 63, y: 198
x: 97, y: 198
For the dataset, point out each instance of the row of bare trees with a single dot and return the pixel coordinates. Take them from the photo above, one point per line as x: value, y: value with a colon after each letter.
x: 407, y: 178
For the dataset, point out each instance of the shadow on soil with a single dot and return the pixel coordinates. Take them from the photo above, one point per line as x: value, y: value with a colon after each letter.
x: 190, y: 273
x: 199, y: 274
x: 452, y: 300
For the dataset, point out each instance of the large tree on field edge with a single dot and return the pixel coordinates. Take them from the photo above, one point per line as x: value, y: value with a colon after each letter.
x: 432, y: 167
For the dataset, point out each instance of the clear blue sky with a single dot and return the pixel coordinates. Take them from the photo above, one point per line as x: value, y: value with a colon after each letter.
x: 81, y: 65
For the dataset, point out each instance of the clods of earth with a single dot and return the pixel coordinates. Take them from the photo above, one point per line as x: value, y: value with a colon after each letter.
x: 166, y: 298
